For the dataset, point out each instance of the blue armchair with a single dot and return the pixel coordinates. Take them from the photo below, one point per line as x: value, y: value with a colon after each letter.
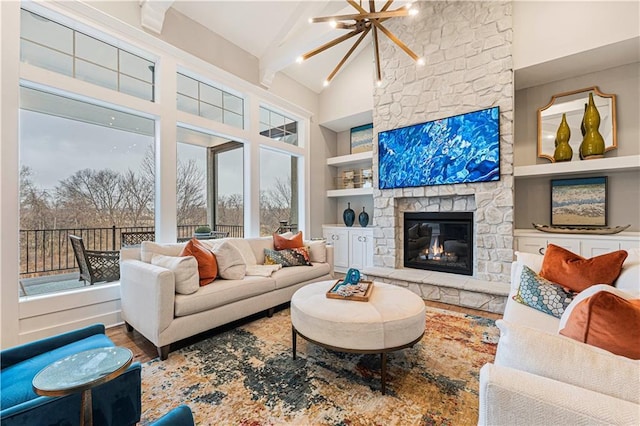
x: 117, y: 402
x: 179, y: 416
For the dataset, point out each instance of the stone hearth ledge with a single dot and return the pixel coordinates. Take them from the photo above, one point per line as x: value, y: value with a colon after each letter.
x: 453, y: 289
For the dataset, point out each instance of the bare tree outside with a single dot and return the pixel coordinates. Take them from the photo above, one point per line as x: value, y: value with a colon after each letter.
x: 275, y: 205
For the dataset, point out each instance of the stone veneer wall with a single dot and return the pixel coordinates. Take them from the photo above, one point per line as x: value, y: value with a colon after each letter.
x: 467, y: 49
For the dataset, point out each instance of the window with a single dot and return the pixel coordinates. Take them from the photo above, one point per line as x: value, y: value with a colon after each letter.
x: 48, y: 44
x: 278, y: 126
x: 85, y: 170
x: 198, y: 98
x: 278, y: 190
x: 210, y: 183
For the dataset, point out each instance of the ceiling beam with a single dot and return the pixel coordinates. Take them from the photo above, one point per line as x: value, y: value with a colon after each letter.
x: 152, y: 13
x: 295, y: 38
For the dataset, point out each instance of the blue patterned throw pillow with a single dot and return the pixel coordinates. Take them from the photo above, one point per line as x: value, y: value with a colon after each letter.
x: 287, y: 257
x: 542, y: 294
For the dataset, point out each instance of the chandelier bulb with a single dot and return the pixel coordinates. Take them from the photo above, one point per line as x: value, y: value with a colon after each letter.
x: 326, y: 83
x: 333, y: 24
x: 413, y: 11
x: 379, y: 83
x: 299, y: 59
x: 420, y: 61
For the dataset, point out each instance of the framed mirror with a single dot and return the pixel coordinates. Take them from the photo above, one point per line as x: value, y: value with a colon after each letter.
x: 573, y: 104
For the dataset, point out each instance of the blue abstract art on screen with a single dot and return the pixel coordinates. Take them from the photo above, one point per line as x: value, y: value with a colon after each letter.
x: 459, y: 149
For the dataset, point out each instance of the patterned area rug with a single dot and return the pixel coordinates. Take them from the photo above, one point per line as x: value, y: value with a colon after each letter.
x: 246, y: 376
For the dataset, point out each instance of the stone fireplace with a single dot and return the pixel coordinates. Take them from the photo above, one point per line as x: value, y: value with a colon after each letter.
x: 436, y: 241
x: 468, y: 67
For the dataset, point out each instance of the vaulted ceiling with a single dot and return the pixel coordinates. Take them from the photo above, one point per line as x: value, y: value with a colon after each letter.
x: 275, y: 32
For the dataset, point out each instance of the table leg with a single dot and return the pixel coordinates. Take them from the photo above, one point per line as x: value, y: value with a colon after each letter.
x: 383, y: 371
x: 86, y: 416
x: 294, y: 337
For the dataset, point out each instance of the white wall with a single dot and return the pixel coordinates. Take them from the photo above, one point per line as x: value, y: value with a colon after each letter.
x: 547, y: 30
x: 350, y: 93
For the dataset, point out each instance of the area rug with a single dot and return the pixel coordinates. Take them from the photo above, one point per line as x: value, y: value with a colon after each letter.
x: 246, y: 376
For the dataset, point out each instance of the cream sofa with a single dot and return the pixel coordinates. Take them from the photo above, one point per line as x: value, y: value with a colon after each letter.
x: 541, y: 378
x: 151, y: 305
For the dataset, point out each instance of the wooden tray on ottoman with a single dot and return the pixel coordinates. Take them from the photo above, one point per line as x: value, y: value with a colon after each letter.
x: 360, y: 296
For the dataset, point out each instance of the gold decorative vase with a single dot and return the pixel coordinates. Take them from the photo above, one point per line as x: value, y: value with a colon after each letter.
x: 563, y: 151
x: 592, y: 145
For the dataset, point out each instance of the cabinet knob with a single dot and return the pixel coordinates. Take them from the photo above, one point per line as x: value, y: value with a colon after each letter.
x: 334, y: 237
x: 541, y: 250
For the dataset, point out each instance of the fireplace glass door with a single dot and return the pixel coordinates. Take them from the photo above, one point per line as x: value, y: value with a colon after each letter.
x: 439, y: 241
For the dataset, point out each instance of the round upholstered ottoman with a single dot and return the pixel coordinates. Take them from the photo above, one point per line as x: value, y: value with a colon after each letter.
x: 393, y: 318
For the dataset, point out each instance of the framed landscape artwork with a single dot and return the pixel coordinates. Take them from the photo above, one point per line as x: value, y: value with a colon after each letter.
x: 579, y: 202
x: 362, y: 138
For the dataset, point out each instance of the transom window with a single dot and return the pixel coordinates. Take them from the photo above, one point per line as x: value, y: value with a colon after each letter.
x: 48, y: 44
x: 278, y: 126
x: 199, y: 98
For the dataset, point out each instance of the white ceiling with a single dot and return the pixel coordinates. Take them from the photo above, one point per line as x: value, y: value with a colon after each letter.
x: 277, y: 32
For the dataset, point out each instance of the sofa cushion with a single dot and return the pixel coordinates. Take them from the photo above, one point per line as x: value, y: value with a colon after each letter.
x: 258, y: 245
x: 281, y: 242
x: 317, y: 250
x: 577, y: 273
x: 541, y: 294
x: 287, y: 257
x: 185, y: 271
x: 231, y: 264
x: 287, y: 277
x: 207, y: 265
x: 605, y: 317
x: 149, y: 248
x: 221, y: 293
x: 560, y: 358
x: 16, y: 380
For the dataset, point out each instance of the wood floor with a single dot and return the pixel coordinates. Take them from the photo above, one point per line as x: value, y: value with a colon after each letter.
x: 144, y: 351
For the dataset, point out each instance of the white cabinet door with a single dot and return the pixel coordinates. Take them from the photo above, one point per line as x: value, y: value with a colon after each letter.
x: 566, y: 243
x: 596, y: 247
x: 538, y: 245
x: 531, y: 244
x: 360, y: 248
x: 339, y: 238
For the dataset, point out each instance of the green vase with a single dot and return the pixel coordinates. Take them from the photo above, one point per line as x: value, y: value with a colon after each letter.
x: 592, y: 145
x: 563, y: 151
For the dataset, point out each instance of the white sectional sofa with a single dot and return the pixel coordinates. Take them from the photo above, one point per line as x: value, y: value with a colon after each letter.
x: 540, y: 377
x: 151, y: 305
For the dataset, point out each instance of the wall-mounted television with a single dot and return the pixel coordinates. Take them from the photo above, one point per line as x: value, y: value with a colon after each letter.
x: 459, y: 149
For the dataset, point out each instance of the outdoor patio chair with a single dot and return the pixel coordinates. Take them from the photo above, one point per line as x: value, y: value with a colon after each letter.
x: 95, y: 265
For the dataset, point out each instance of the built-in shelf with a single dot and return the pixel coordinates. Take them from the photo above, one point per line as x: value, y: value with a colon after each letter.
x: 350, y: 159
x: 612, y: 164
x: 349, y: 192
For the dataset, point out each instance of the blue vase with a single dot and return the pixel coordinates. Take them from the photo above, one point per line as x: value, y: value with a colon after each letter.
x: 363, y: 218
x: 349, y: 216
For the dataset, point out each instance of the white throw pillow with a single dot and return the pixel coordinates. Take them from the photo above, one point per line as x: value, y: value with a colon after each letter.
x: 317, y: 250
x: 587, y: 293
x: 231, y: 264
x: 560, y: 358
x: 245, y: 250
x: 629, y: 279
x: 185, y: 271
x: 149, y: 248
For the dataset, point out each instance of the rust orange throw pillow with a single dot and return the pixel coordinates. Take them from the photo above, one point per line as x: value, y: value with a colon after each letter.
x: 607, y: 321
x: 207, y: 265
x: 281, y: 243
x: 577, y: 273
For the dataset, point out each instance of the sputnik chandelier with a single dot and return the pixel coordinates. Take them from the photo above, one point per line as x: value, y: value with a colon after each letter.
x: 362, y: 23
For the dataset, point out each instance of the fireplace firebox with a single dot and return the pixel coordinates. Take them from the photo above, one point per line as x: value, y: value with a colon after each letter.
x: 439, y: 241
